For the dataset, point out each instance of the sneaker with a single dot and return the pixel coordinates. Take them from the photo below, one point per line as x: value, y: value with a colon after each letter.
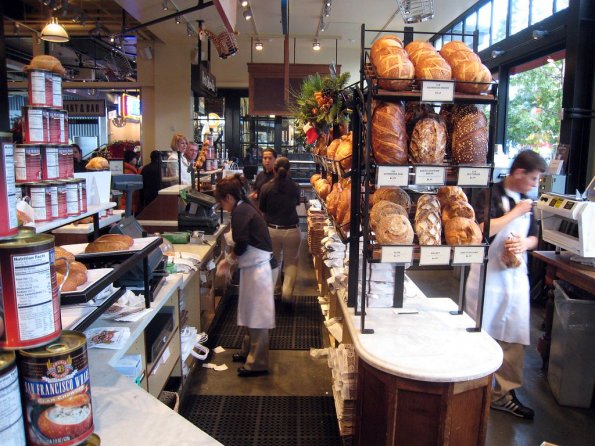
x: 510, y: 403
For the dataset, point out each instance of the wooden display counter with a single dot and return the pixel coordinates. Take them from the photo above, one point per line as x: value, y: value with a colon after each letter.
x: 422, y: 378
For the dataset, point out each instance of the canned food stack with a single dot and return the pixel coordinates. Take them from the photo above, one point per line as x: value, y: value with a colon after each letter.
x: 45, y: 393
x: 43, y: 165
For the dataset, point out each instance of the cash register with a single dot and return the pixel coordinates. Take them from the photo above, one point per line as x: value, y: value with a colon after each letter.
x: 568, y: 222
x: 199, y: 213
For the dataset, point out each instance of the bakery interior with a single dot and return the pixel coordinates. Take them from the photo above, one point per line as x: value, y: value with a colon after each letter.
x: 156, y: 68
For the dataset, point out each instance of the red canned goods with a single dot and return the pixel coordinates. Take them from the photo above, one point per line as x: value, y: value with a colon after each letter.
x: 72, y: 197
x: 62, y: 207
x: 41, y: 93
x: 29, y: 295
x: 65, y: 163
x: 8, y: 189
x: 57, y: 391
x: 12, y: 429
x: 49, y: 162
x: 55, y: 118
x: 27, y: 163
x: 36, y: 125
x: 82, y: 187
x: 52, y: 191
x: 41, y: 201
x: 56, y: 90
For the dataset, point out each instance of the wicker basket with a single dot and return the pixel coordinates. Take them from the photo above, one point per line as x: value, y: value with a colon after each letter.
x: 414, y: 11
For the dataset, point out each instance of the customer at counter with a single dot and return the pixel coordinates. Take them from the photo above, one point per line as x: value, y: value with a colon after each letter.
x: 177, y: 164
x: 77, y: 159
x: 130, y: 161
x: 252, y: 253
x: 513, y: 232
x: 151, y: 178
x: 278, y: 201
x: 268, y: 161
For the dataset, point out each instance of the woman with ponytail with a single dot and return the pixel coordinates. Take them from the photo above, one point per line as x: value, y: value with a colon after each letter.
x: 278, y: 200
x: 252, y: 253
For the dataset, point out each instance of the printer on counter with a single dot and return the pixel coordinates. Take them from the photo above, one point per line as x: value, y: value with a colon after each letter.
x: 199, y: 213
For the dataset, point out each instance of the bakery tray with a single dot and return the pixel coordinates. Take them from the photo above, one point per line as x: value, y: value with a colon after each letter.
x: 140, y: 244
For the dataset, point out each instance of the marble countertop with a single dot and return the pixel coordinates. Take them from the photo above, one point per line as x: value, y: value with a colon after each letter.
x: 423, y: 341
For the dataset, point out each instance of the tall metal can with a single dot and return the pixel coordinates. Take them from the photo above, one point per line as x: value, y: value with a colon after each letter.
x: 12, y: 429
x: 8, y: 203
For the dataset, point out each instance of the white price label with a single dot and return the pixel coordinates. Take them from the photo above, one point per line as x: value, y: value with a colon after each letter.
x: 429, y: 175
x: 396, y: 254
x: 437, y: 91
x: 474, y: 176
x: 468, y: 254
x: 434, y: 255
x: 392, y: 176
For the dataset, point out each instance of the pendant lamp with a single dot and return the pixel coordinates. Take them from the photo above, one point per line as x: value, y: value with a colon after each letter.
x: 54, y: 32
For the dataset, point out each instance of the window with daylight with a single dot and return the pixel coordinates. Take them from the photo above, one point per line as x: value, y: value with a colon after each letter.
x: 499, y: 20
x: 483, y: 25
x: 540, y: 10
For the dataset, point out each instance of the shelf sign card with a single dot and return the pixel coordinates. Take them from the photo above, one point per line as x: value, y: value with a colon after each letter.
x: 465, y: 255
x: 434, y: 255
x: 396, y: 254
x: 437, y: 91
x: 430, y: 175
x: 474, y: 176
x: 392, y: 176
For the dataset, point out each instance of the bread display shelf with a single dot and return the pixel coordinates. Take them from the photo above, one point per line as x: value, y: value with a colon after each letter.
x: 333, y: 165
x: 413, y: 175
x: 140, y: 244
x: 428, y: 255
x: 342, y: 230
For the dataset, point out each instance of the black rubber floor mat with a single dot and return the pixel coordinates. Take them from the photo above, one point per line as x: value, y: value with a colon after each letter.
x: 298, y: 328
x: 265, y: 420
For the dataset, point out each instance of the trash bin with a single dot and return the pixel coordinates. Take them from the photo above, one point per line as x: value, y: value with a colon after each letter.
x: 571, y: 372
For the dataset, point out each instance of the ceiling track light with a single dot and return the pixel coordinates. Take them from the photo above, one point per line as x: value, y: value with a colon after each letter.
x: 497, y: 53
x: 247, y: 14
x: 539, y: 34
x: 258, y: 45
x: 178, y: 20
x: 165, y: 5
x: 316, y: 45
x: 244, y: 3
x: 189, y: 30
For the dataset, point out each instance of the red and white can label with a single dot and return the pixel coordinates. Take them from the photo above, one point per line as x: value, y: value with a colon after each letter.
x: 41, y: 88
x: 34, y: 295
x: 36, y: 125
x: 27, y: 163
x: 56, y: 90
x: 8, y: 199
x: 65, y: 166
x: 12, y: 428
x: 40, y: 202
x: 62, y: 208
x: 72, y: 199
x: 52, y: 191
x: 49, y: 167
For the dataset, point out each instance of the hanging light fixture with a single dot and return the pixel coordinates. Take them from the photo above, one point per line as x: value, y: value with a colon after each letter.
x: 54, y: 32
x: 316, y: 45
x: 247, y: 14
x: 244, y: 3
x: 258, y: 45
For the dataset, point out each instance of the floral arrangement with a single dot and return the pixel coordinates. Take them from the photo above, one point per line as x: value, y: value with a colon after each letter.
x: 320, y: 104
x: 117, y: 148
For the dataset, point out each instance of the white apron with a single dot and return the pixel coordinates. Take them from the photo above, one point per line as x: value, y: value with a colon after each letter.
x: 256, y: 304
x: 506, y: 304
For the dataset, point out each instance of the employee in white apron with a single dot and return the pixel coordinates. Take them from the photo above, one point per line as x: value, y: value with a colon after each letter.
x: 252, y: 253
x: 506, y: 303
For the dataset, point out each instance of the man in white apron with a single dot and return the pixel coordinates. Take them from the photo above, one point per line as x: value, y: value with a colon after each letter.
x: 506, y: 309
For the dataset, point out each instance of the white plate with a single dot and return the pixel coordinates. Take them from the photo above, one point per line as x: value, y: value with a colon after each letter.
x: 139, y: 243
x: 93, y: 275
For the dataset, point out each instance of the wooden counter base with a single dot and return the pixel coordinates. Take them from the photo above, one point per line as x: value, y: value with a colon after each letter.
x: 400, y: 412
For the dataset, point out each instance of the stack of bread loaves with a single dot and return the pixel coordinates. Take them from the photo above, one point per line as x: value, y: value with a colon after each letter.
x: 389, y: 137
x: 427, y: 220
x: 389, y: 216
x: 344, y: 150
x: 392, y: 63
x: 472, y: 76
x: 65, y: 263
x: 428, y: 63
x: 458, y: 217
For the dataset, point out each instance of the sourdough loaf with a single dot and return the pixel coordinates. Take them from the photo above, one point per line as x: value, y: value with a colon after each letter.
x: 389, y: 137
x: 394, y: 194
x: 470, y: 139
x: 428, y: 141
x: 109, y: 243
x: 433, y: 67
x: 382, y: 208
x: 384, y: 45
x: 457, y: 209
x: 473, y: 76
x: 395, y: 70
x: 394, y: 229
x: 450, y: 194
x: 427, y: 223
x: 462, y: 231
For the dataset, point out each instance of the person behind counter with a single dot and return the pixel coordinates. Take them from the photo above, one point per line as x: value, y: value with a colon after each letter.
x: 130, y: 162
x: 151, y: 178
x: 513, y: 232
x: 268, y: 161
x: 77, y: 158
x: 252, y: 253
x: 278, y: 201
x: 177, y: 163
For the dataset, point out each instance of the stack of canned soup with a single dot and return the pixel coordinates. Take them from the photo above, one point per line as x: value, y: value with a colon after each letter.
x: 45, y: 392
x: 43, y: 164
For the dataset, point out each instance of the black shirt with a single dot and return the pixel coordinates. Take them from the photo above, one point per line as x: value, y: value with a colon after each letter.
x: 497, y: 210
x: 261, y: 179
x: 79, y: 166
x: 249, y: 228
x: 151, y: 182
x: 279, y: 207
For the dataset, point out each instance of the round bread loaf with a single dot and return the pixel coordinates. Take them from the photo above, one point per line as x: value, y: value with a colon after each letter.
x: 416, y: 45
x: 462, y: 231
x: 395, y: 70
x: 109, y: 243
x: 62, y: 256
x: 428, y: 226
x: 97, y: 163
x: 450, y: 194
x: 384, y: 45
x: 322, y: 188
x: 344, y: 206
x: 343, y: 153
x: 461, y: 56
x: 394, y: 194
x: 428, y: 202
x: 472, y: 71
x: 45, y: 62
x: 470, y: 139
x: 332, y: 148
x: 428, y: 141
x: 414, y: 111
x: 421, y: 54
x: 389, y: 137
x: 314, y: 178
x: 382, y: 208
x: 332, y: 200
x: 394, y: 229
x: 453, y: 47
x: 70, y: 284
x: 457, y: 209
x: 433, y: 67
